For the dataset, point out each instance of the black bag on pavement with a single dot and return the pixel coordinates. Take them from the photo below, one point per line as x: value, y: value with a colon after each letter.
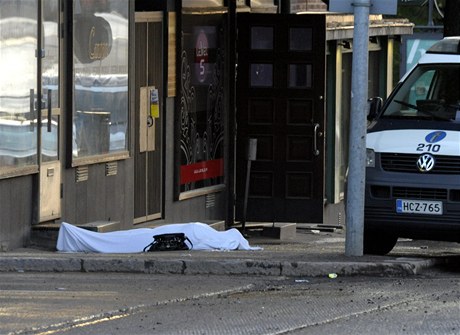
x: 169, y: 242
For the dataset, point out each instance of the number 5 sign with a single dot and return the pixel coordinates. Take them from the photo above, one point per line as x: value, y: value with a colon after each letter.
x: 201, y: 56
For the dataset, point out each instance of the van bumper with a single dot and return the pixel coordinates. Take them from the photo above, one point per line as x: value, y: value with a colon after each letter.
x: 383, y: 189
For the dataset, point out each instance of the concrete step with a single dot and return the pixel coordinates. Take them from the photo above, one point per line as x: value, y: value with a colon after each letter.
x: 101, y: 226
x: 277, y: 230
x: 45, y: 235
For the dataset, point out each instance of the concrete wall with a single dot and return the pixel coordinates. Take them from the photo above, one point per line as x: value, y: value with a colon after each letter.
x: 101, y: 197
x: 15, y: 211
x: 188, y: 210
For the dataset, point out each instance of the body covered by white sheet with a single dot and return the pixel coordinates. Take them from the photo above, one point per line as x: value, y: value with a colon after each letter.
x: 203, y: 237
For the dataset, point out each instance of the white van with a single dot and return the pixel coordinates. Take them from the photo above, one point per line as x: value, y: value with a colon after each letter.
x: 413, y: 155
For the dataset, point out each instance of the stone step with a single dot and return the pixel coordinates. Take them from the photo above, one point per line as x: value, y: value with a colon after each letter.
x: 45, y: 235
x: 101, y: 226
x: 277, y: 230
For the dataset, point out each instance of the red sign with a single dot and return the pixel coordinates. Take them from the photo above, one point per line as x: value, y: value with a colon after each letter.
x: 202, y: 170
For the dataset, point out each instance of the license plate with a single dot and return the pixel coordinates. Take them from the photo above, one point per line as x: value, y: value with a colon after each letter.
x: 419, y: 206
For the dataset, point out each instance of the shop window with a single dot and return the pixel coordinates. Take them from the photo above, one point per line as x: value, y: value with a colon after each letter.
x: 374, y: 74
x: 100, y: 87
x: 343, y: 121
x: 50, y: 82
x: 201, y: 105
x: 18, y: 84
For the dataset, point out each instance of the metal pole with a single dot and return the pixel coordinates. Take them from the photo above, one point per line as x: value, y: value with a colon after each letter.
x: 430, y: 13
x: 357, y: 147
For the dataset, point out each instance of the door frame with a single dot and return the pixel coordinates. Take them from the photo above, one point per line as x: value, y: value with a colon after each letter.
x: 150, y: 17
x: 280, y: 204
x: 49, y: 175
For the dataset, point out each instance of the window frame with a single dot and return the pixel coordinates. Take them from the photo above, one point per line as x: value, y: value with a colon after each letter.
x: 71, y: 160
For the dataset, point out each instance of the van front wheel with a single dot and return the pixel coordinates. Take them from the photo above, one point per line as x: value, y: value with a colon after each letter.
x: 378, y: 243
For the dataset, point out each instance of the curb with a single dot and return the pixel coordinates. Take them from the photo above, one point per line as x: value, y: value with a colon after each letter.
x: 398, y: 267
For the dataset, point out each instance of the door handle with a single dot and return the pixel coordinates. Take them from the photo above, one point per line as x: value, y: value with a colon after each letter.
x: 316, y: 134
x: 32, y: 108
x: 49, y: 111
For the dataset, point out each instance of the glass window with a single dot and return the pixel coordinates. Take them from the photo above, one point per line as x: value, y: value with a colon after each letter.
x: 100, y: 96
x: 300, y: 75
x: 202, y: 103
x: 18, y: 83
x: 262, y: 75
x: 300, y: 39
x: 261, y: 38
x: 50, y: 82
x: 431, y: 91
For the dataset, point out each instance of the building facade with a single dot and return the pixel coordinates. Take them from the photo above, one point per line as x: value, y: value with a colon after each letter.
x: 117, y: 114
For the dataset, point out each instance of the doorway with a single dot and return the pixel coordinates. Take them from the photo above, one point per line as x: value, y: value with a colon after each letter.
x: 30, y: 100
x: 280, y: 103
x: 49, y: 87
x: 148, y: 158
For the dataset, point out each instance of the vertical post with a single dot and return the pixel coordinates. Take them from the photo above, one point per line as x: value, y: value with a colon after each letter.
x: 231, y: 119
x: 251, y: 156
x: 38, y: 114
x: 357, y: 147
x: 430, y: 13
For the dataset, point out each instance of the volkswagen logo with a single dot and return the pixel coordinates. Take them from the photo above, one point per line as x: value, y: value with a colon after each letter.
x: 425, y: 163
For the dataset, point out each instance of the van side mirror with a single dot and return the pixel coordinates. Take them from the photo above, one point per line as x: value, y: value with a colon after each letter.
x: 375, y: 107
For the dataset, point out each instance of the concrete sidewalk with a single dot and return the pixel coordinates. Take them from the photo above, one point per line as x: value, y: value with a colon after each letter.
x: 310, y: 253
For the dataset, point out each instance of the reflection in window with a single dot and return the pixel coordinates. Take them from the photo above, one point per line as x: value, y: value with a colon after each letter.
x: 18, y: 83
x: 300, y: 39
x: 100, y: 105
x: 261, y: 38
x: 261, y: 75
x: 50, y: 81
x: 300, y: 75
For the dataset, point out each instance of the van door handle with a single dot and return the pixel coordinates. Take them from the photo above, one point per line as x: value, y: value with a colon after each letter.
x: 316, y: 133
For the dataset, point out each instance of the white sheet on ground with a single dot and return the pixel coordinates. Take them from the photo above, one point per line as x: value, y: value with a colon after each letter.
x: 203, y: 237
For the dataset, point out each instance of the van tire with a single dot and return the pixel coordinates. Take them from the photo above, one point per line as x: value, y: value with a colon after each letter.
x: 378, y: 243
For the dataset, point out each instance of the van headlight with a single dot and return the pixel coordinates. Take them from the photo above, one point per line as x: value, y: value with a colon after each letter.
x: 370, y: 158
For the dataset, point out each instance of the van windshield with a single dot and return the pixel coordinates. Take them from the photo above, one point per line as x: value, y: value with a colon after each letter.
x: 431, y: 91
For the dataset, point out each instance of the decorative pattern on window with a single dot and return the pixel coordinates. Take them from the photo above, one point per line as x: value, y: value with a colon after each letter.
x: 202, y: 110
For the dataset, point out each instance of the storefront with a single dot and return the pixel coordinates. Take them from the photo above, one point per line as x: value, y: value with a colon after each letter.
x: 64, y: 114
x: 122, y: 114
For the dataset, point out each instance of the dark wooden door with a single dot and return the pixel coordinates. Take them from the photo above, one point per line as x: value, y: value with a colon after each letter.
x: 148, y: 118
x: 280, y: 102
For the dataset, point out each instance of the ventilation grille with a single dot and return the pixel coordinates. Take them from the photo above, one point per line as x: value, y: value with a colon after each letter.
x: 408, y: 163
x: 420, y: 193
x: 81, y: 173
x: 111, y: 169
x: 210, y: 200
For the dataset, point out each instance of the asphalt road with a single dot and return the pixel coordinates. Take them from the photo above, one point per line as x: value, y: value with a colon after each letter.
x: 106, y: 303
